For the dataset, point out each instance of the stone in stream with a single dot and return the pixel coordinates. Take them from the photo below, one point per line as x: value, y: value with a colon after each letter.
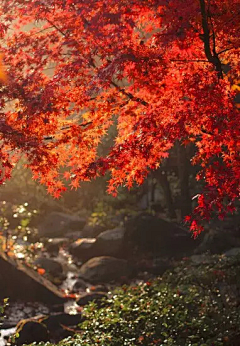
x: 61, y: 326
x: 19, y: 282
x: 108, y: 243
x: 54, y: 244
x: 105, y: 269
x: 80, y: 285
x: 29, y: 331
x: 45, y: 328
x: 84, y: 249
x: 49, y: 265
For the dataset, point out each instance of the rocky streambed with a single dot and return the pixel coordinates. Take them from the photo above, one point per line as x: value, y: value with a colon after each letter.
x: 48, y: 293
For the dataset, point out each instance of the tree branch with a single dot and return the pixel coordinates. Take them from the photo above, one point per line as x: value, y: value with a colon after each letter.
x: 91, y: 63
x: 211, y: 56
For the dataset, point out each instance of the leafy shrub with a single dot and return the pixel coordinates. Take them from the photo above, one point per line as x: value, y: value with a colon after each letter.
x: 2, y: 310
x: 178, y: 310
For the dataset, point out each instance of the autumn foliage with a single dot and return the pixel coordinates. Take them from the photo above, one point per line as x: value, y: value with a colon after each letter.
x: 165, y: 71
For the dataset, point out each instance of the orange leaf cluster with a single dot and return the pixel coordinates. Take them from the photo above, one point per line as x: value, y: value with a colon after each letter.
x: 163, y: 71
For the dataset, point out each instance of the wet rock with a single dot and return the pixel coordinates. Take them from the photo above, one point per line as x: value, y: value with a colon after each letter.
x: 84, y: 249
x: 61, y: 325
x: 92, y: 231
x: 93, y: 296
x: 110, y: 242
x: 80, y: 285
x: 46, y: 328
x: 57, y: 224
x: 15, y: 277
x: 51, y: 266
x: 54, y: 244
x: 104, y: 269
x: 30, y: 331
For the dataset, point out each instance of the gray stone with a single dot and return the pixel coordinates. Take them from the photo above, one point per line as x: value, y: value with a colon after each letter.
x: 105, y: 269
x: 84, y: 249
x: 30, y: 331
x: 57, y: 224
x: 51, y: 266
x: 110, y: 243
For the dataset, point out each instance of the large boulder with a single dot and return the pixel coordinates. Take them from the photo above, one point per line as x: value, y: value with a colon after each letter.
x: 30, y: 331
x: 19, y: 282
x: 149, y: 233
x: 218, y: 241
x: 57, y: 224
x: 54, y: 321
x: 45, y: 328
x: 110, y: 242
x: 84, y: 249
x: 61, y: 325
x: 105, y: 269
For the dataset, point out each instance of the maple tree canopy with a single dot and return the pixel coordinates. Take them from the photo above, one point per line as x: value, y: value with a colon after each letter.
x: 163, y: 70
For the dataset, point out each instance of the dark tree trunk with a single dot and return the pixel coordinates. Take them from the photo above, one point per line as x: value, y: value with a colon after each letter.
x: 183, y: 174
x: 161, y: 177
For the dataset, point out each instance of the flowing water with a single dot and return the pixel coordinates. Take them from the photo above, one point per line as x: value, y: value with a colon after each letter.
x: 6, y: 333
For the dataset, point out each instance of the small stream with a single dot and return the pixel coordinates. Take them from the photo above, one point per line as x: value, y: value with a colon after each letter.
x: 6, y: 333
x: 17, y: 311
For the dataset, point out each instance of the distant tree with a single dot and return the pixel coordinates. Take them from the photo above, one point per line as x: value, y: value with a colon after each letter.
x: 165, y: 70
